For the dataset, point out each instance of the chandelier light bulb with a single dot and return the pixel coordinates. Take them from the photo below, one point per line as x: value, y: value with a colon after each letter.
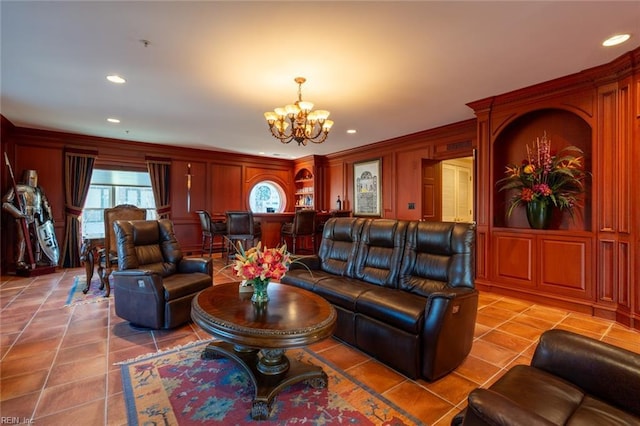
x: 305, y: 106
x: 271, y: 117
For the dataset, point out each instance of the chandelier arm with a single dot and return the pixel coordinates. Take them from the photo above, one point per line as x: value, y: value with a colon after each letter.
x: 283, y: 138
x: 322, y: 139
x: 317, y: 133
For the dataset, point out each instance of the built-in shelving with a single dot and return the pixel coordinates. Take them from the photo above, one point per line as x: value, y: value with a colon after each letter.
x: 304, y: 195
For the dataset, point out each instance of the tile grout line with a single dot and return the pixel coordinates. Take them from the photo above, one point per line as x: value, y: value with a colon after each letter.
x: 502, y: 370
x: 13, y: 299
x: 53, y: 361
x: 106, y: 381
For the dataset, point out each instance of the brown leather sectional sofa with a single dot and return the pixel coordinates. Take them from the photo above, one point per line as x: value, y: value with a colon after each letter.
x: 572, y: 380
x: 404, y: 290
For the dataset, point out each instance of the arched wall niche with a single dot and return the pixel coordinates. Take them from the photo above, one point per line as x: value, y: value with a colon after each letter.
x: 563, y: 128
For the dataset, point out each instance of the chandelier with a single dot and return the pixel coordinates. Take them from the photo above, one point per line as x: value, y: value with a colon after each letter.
x: 306, y: 125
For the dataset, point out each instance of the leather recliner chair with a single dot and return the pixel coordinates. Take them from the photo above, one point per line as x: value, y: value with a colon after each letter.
x: 154, y: 285
x: 572, y: 380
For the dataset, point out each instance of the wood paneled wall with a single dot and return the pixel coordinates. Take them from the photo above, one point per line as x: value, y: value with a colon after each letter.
x: 589, y: 264
x: 221, y: 181
x: 401, y: 167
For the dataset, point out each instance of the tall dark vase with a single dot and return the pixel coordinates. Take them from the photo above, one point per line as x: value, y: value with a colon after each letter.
x: 539, y: 214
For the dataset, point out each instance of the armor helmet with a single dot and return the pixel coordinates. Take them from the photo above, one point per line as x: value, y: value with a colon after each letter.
x: 30, y: 178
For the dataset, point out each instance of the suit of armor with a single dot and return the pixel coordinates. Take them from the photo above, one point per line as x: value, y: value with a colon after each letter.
x: 36, y: 212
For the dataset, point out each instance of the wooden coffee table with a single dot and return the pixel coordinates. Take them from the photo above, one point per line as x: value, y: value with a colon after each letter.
x: 257, y: 335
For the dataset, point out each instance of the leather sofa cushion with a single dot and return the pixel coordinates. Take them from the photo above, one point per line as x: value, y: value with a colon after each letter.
x: 380, y: 252
x: 342, y: 292
x: 437, y: 255
x: 439, y: 238
x: 304, y: 279
x: 179, y: 285
x: 607, y: 372
x: 595, y: 412
x: 149, y: 254
x: 529, y: 396
x: 164, y: 269
x: 339, y: 245
x: 146, y: 233
x: 428, y: 275
x: 540, y: 392
x: 396, y: 308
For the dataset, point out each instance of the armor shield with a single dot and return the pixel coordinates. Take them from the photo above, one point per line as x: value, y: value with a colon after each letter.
x: 48, y: 242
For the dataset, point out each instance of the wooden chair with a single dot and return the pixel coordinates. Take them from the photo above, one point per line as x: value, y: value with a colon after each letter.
x: 303, y: 225
x: 241, y: 228
x: 108, y: 255
x: 210, y: 229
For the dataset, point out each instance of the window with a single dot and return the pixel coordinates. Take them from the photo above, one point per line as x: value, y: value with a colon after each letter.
x: 110, y: 188
x: 267, y: 197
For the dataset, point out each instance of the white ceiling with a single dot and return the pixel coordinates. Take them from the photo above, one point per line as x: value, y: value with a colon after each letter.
x: 213, y: 68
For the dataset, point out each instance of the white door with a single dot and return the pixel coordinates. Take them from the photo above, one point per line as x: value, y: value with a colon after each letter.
x: 457, y: 191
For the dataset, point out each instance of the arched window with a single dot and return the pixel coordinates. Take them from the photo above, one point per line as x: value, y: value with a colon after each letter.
x: 267, y: 197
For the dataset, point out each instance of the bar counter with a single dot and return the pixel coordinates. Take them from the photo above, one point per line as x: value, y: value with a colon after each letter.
x: 272, y: 222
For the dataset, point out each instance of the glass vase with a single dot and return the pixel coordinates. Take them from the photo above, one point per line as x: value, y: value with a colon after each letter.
x: 539, y: 214
x: 260, y: 294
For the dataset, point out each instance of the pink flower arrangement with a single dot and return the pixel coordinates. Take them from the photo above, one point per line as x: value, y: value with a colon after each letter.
x: 258, y: 263
x: 546, y: 176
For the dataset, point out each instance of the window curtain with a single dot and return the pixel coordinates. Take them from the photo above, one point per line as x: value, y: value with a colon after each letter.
x: 78, y: 167
x: 159, y: 169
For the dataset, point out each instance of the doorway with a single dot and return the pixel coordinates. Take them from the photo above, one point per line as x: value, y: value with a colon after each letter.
x: 448, y: 190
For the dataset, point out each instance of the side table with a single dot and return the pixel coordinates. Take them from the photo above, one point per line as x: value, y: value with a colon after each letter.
x: 89, y: 255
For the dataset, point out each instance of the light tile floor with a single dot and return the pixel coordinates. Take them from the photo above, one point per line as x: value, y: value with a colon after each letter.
x: 57, y: 363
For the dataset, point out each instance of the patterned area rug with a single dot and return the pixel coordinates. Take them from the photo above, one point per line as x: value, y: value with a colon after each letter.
x: 77, y: 297
x: 177, y: 387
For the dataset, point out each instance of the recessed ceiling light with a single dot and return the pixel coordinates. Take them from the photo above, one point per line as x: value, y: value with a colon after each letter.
x: 352, y: 131
x: 114, y: 78
x: 113, y: 120
x: 616, y: 40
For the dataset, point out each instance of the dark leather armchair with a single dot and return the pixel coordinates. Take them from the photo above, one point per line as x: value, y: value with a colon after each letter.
x: 241, y: 228
x: 572, y: 380
x: 154, y: 285
x: 210, y: 229
x: 303, y: 225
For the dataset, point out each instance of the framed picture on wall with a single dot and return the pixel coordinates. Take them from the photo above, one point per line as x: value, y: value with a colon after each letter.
x: 367, y: 181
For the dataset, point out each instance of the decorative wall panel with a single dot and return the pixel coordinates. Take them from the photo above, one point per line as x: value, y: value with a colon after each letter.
x: 514, y: 259
x: 563, y: 266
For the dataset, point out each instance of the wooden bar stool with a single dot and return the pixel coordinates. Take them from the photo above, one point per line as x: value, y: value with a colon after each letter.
x: 304, y: 225
x: 241, y: 228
